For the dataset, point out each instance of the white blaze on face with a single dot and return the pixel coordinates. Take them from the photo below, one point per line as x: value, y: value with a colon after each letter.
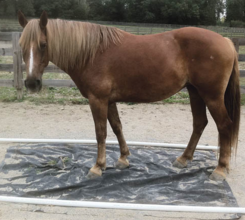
x: 31, y: 60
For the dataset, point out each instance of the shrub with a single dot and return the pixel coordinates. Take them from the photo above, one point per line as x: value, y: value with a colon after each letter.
x: 237, y: 23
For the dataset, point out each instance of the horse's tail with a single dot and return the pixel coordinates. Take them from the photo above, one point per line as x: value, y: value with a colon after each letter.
x: 233, y: 100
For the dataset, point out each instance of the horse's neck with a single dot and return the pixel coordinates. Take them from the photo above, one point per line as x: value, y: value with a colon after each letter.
x: 84, y: 49
x: 56, y: 64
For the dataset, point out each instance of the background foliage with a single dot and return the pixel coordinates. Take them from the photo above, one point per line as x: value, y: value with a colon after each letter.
x: 188, y: 12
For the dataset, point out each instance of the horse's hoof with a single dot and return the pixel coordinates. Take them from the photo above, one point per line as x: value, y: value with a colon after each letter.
x: 179, y: 164
x: 217, y: 176
x: 94, y: 173
x: 122, y: 164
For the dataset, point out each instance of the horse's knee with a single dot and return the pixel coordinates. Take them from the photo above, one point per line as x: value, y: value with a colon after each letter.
x: 200, y: 125
x: 117, y: 129
x: 225, y: 127
x: 101, y: 136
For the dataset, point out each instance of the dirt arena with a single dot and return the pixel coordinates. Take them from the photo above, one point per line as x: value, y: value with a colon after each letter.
x: 170, y: 123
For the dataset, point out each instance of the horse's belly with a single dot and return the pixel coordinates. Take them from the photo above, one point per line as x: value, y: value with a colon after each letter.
x: 147, y: 90
x: 145, y: 72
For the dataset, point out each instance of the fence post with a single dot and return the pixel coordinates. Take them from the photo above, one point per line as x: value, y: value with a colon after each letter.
x: 17, y: 62
x: 236, y: 44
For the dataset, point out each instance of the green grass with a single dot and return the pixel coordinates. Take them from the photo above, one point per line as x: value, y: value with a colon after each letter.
x: 66, y: 159
x: 180, y: 97
x: 6, y: 59
x: 9, y: 75
x: 242, y: 99
x: 53, y: 95
x: 8, y: 94
x: 65, y: 96
x: 52, y: 163
x: 56, y: 76
x: 242, y: 81
x: 49, y: 95
x: 241, y: 49
x: 241, y: 65
x: 6, y: 75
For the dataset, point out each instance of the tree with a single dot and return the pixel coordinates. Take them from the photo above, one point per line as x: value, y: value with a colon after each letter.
x: 235, y: 10
x: 137, y: 10
x: 96, y: 9
x: 180, y: 12
x: 219, y: 8
x: 26, y: 6
x: 114, y: 10
x: 9, y: 8
x: 192, y: 12
x: 68, y: 9
x: 81, y: 11
x: 188, y: 12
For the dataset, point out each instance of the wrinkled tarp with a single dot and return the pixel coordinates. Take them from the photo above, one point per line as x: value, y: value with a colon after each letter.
x: 59, y: 171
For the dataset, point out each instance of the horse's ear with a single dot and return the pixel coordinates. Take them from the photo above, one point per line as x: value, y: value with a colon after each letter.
x: 43, y: 20
x: 22, y: 20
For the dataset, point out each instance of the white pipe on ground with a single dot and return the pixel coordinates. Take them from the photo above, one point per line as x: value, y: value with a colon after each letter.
x: 76, y: 141
x: 130, y: 206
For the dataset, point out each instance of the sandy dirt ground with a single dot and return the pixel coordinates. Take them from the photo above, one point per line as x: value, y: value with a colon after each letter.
x: 144, y: 122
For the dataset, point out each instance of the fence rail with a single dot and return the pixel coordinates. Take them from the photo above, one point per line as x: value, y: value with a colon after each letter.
x: 17, y: 66
x: 49, y: 69
x: 12, y: 25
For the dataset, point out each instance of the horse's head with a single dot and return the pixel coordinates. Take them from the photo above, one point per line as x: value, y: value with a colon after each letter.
x: 33, y: 42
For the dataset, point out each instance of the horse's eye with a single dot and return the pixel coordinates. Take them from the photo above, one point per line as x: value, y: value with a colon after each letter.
x: 43, y: 45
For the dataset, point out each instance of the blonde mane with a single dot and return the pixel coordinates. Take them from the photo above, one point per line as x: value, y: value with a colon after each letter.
x: 71, y: 42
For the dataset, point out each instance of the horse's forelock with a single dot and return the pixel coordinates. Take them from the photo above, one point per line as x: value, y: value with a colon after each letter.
x: 30, y: 34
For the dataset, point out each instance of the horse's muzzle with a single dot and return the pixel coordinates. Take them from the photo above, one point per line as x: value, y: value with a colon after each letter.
x: 33, y: 85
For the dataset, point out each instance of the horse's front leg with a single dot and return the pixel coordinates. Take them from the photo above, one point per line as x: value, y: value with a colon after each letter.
x: 99, y: 108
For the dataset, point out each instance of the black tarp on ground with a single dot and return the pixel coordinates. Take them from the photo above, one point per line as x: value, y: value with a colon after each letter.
x: 59, y: 171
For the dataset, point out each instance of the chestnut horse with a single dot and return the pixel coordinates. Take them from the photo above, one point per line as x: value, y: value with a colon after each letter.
x: 109, y: 65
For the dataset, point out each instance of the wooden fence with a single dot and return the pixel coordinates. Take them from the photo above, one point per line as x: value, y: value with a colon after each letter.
x: 12, y: 25
x: 17, y: 67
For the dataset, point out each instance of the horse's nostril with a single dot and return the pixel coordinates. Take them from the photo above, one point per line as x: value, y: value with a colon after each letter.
x: 33, y: 85
x: 38, y: 82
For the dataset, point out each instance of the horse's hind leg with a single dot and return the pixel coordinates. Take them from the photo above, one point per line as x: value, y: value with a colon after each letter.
x: 200, y: 121
x: 224, y: 124
x: 116, y: 125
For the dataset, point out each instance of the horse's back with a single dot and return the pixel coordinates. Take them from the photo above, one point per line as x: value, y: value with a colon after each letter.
x: 154, y: 67
x: 146, y: 68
